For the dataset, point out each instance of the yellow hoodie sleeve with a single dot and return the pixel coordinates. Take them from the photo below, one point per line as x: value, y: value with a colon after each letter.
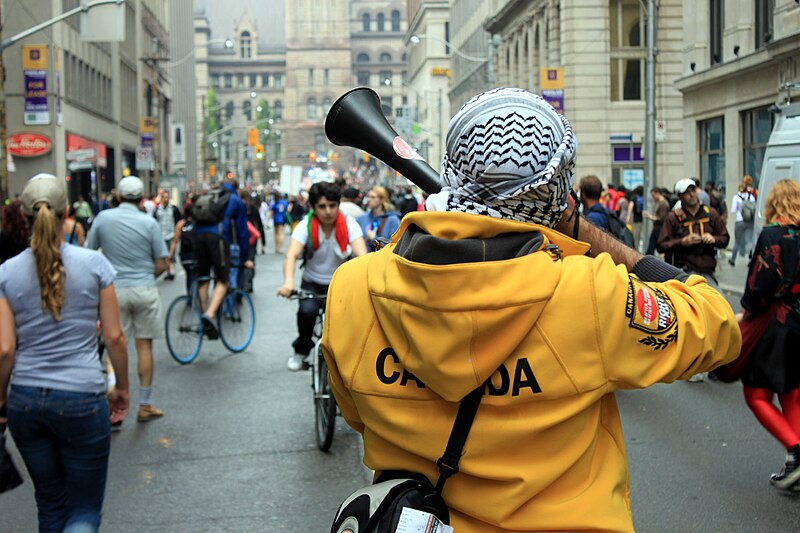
x: 659, y: 332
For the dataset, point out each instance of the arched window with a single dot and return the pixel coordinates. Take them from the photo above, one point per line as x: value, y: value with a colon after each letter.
x: 363, y: 57
x: 366, y: 21
x: 311, y: 108
x: 404, y: 58
x: 326, y: 105
x: 395, y: 20
x: 228, y: 110
x: 245, y: 45
x: 381, y: 22
x: 278, y: 110
x: 386, y: 57
x: 247, y: 110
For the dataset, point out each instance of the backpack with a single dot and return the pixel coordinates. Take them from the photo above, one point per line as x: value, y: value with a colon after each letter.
x: 748, y: 208
x: 209, y: 208
x: 617, y: 229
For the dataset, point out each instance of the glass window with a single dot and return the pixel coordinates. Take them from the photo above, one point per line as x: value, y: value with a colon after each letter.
x: 326, y: 105
x: 716, y: 20
x: 363, y: 57
x: 247, y: 110
x: 278, y: 109
x: 627, y: 165
x: 366, y: 21
x: 381, y: 22
x: 712, y: 151
x: 326, y: 77
x: 362, y: 77
x: 265, y: 80
x: 278, y: 79
x: 311, y: 77
x: 385, y: 58
x: 228, y: 81
x: 763, y: 29
x: 240, y: 81
x: 229, y: 110
x: 385, y: 77
x: 311, y: 108
x: 395, y: 20
x: 253, y: 80
x: 245, y: 44
x: 756, y: 128
x: 628, y: 50
x: 215, y: 80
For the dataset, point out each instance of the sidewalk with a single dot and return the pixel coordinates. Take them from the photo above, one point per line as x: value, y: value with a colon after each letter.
x: 732, y: 279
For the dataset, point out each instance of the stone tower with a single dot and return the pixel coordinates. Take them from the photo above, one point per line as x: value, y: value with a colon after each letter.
x: 318, y: 70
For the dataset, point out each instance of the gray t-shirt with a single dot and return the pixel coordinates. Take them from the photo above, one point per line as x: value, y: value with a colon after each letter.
x: 132, y: 241
x: 60, y: 354
x: 325, y: 261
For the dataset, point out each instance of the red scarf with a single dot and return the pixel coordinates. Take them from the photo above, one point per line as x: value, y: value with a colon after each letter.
x: 340, y: 229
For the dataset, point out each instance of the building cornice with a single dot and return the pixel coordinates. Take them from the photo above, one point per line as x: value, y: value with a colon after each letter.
x: 507, y: 16
x: 761, y: 59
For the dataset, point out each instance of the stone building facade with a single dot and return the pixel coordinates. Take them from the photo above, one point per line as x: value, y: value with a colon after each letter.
x: 736, y: 63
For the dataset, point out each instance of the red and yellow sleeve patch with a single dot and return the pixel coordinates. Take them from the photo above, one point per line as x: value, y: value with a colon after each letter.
x: 648, y: 308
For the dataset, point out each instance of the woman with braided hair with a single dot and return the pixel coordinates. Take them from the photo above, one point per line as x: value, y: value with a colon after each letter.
x: 51, y: 297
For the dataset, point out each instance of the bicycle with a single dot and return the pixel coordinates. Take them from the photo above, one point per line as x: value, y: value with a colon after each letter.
x: 324, y: 403
x: 236, y: 321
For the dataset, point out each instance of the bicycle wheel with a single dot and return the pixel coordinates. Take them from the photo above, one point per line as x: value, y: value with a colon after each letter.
x: 184, y: 330
x: 324, y: 402
x: 237, y: 321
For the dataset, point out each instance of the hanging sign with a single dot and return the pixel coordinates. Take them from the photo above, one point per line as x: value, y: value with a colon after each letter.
x: 29, y: 144
x: 34, y: 68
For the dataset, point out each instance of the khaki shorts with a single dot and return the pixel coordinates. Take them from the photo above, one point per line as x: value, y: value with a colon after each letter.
x: 140, y: 312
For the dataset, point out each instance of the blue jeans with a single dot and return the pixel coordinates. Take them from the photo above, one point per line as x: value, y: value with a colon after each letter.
x: 64, y: 438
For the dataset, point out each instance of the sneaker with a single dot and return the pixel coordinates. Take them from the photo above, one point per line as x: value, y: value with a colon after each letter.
x: 296, y: 363
x: 731, y: 262
x: 210, y: 328
x: 697, y: 378
x: 148, y: 412
x: 790, y: 475
x: 116, y: 426
x: 169, y: 277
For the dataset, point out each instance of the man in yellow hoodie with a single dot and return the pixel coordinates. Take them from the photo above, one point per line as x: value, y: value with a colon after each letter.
x: 487, y: 289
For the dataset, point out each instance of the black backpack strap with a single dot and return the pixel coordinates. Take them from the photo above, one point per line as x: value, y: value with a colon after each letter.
x: 448, y: 463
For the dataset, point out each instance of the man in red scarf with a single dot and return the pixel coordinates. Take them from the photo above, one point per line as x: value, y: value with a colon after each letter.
x: 326, y: 238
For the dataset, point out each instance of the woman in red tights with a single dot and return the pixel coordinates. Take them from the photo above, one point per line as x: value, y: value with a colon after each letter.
x: 773, y: 286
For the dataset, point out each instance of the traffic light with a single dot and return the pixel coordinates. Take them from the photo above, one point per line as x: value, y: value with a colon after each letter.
x: 312, y: 156
x: 212, y: 170
x: 252, y: 136
x: 259, y: 151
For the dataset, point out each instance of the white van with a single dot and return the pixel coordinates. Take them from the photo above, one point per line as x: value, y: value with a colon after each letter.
x: 782, y: 157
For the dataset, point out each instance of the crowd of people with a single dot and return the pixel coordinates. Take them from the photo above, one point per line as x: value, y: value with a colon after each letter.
x: 411, y: 277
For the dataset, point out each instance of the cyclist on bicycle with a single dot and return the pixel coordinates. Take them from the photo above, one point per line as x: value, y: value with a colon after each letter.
x: 212, y: 248
x: 334, y: 238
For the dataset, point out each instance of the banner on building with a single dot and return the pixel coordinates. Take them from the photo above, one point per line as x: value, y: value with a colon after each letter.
x: 178, y: 146
x: 551, y: 81
x: 34, y: 67
x: 59, y: 114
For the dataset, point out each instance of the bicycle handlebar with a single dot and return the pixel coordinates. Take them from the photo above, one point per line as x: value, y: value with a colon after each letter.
x: 301, y: 294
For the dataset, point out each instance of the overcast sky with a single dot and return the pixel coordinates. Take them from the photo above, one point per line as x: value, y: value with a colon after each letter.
x: 267, y: 16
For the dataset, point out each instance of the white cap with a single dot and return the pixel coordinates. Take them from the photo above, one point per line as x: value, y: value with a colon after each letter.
x: 131, y: 188
x: 684, y: 184
x: 44, y: 188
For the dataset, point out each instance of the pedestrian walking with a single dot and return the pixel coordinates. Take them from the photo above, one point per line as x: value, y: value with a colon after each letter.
x: 51, y: 297
x: 134, y: 245
x: 168, y: 216
x: 379, y: 220
x: 349, y: 204
x: 591, y: 189
x: 279, y: 209
x: 486, y: 294
x: 658, y: 216
x: 743, y: 206
x: 773, y: 286
x: 83, y: 212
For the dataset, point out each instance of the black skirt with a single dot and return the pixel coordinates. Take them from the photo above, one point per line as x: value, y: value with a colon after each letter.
x: 775, y: 362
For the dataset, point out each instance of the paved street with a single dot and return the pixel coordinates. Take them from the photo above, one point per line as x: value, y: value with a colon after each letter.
x: 236, y: 452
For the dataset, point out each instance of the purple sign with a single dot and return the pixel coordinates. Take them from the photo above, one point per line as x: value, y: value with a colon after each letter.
x: 36, y: 108
x: 554, y: 97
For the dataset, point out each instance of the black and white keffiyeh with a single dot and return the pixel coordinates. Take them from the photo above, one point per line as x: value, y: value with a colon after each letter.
x: 509, y: 155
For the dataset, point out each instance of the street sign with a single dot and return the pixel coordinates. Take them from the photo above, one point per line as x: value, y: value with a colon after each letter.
x: 82, y: 154
x: 661, y: 131
x: 144, y: 158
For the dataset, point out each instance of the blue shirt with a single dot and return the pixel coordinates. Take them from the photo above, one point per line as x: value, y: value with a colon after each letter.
x: 60, y: 354
x: 598, y: 215
x: 235, y: 211
x: 390, y: 223
x: 131, y: 241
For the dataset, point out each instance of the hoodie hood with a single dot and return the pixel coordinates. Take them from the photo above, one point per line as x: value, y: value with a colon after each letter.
x: 453, y: 324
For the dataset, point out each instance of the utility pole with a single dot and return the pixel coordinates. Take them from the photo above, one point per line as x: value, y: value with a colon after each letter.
x: 650, y: 116
x: 3, y: 132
